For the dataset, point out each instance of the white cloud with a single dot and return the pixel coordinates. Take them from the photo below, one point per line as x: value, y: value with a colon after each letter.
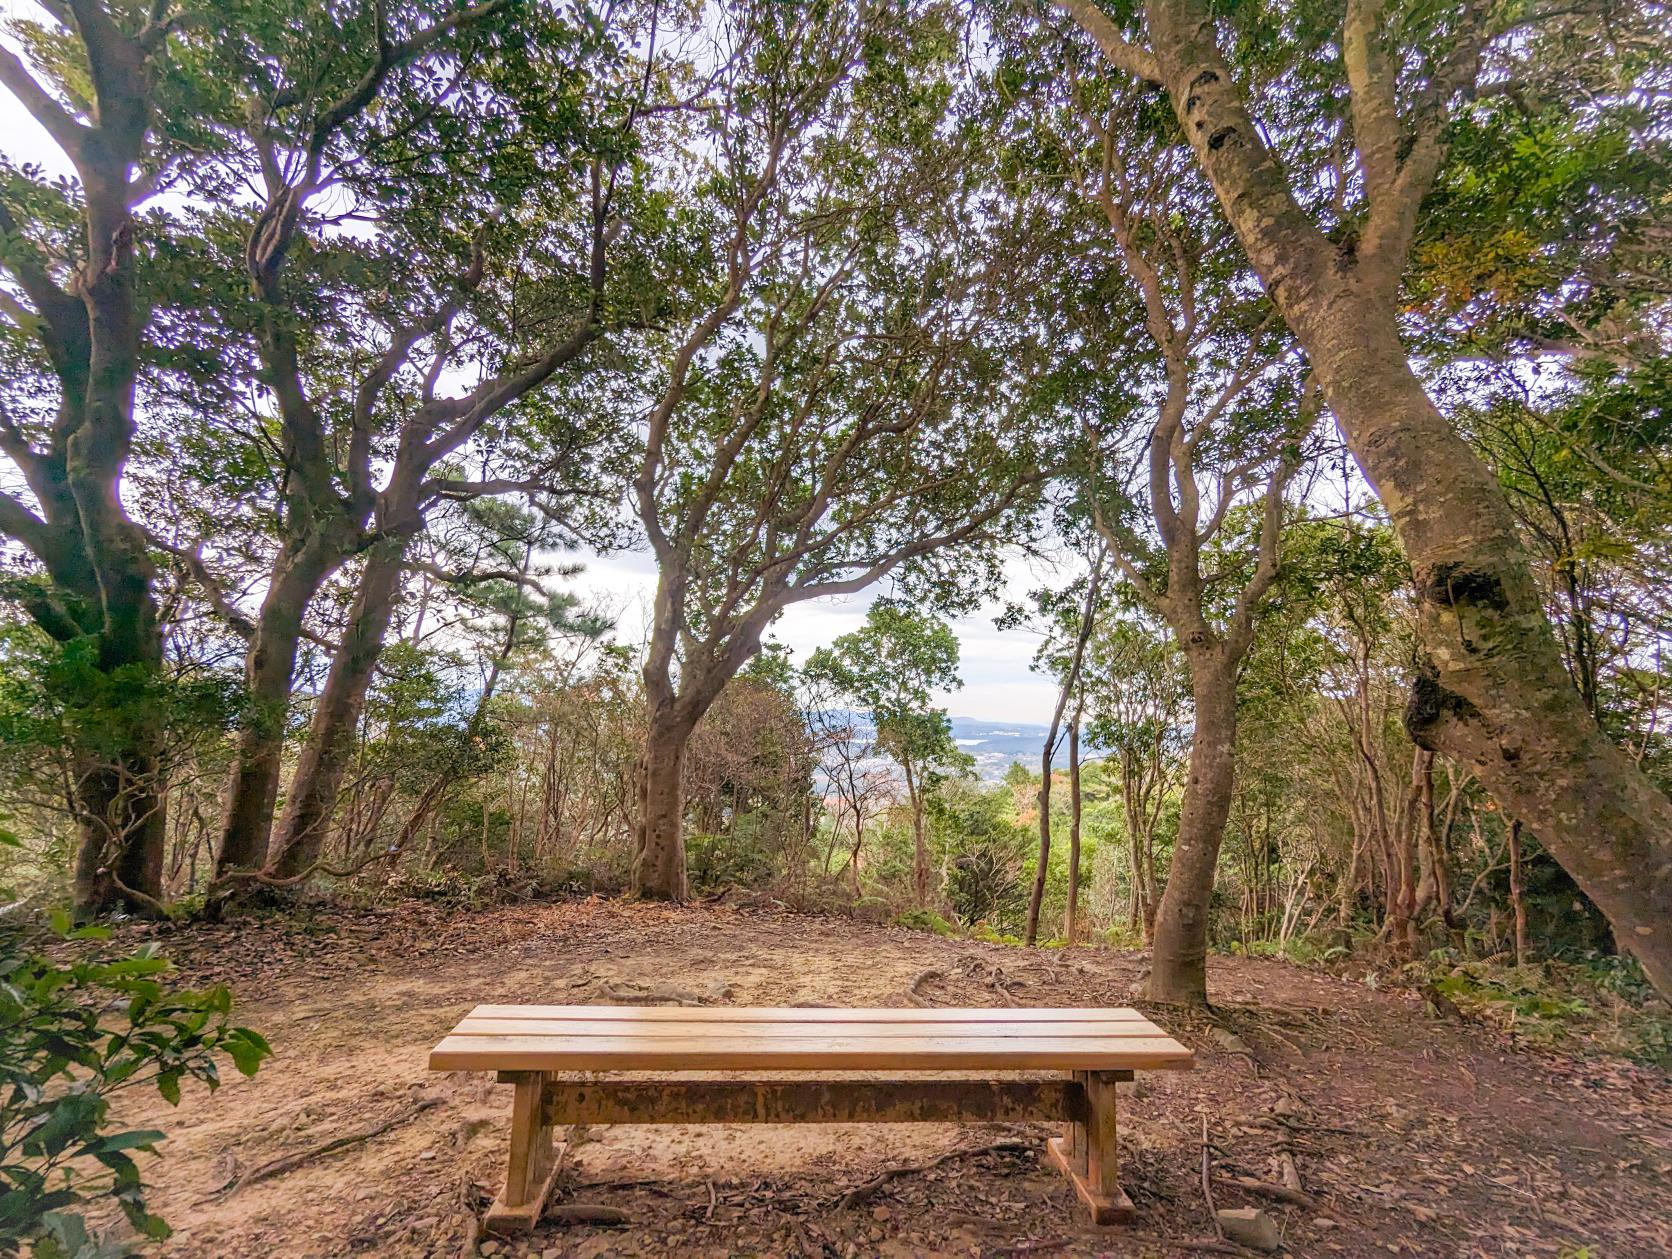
x: 998, y: 683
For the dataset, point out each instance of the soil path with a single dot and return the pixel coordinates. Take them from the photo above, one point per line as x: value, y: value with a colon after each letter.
x: 1415, y: 1136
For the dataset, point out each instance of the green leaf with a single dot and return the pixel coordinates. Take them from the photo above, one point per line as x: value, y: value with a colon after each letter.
x: 247, y: 1050
x: 139, y: 1139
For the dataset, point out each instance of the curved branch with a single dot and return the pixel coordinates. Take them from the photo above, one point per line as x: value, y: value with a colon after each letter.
x: 1090, y: 17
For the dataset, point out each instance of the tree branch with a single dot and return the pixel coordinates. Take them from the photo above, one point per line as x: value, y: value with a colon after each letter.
x: 67, y: 132
x: 211, y: 586
x: 1121, y: 52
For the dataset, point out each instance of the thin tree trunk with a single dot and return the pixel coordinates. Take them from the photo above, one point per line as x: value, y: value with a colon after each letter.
x: 1137, y: 841
x: 324, y: 758
x: 1178, y: 964
x: 1518, y: 905
x: 920, y: 850
x: 1071, y: 917
x: 1088, y: 613
x: 858, y: 843
x: 1403, y: 874
x: 1036, y: 896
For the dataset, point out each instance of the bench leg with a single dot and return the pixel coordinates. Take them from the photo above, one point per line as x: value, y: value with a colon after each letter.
x: 1074, y: 1133
x: 533, y: 1166
x: 1086, y: 1151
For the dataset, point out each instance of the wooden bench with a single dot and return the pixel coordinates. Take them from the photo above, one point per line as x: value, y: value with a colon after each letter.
x: 528, y: 1045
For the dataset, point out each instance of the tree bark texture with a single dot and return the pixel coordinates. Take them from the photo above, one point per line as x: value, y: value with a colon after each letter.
x: 1178, y: 962
x: 659, y: 862
x: 269, y: 673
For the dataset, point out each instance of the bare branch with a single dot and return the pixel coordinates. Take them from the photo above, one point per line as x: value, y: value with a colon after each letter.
x: 67, y: 132
x: 211, y: 586
x: 1121, y: 52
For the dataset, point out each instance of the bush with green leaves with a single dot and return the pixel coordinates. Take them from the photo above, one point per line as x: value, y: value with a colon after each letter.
x: 73, y: 1035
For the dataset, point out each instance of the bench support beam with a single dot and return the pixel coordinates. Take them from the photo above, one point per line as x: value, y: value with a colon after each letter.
x: 811, y: 1101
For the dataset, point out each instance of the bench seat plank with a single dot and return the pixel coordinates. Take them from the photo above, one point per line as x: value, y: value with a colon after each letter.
x: 474, y: 1026
x: 807, y: 1014
x: 842, y: 1049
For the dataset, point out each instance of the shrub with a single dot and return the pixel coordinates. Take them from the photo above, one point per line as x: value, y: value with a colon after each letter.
x: 1301, y: 949
x: 987, y: 935
x: 740, y: 858
x: 926, y: 920
x: 455, y: 889
x: 72, y: 1036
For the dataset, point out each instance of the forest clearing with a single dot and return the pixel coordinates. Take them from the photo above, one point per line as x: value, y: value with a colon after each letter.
x: 1412, y: 1135
x: 1088, y: 579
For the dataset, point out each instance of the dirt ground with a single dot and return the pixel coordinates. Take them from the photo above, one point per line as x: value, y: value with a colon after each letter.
x: 1415, y: 1136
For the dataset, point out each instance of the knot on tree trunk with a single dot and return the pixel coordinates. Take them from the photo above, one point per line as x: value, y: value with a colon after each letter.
x: 1451, y: 583
x: 1193, y: 93
x: 1430, y: 705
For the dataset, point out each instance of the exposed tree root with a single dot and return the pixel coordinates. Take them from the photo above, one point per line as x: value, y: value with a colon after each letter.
x: 1265, y: 1189
x: 290, y: 1162
x: 633, y: 992
x: 585, y: 1213
x: 923, y: 977
x: 1207, y: 1181
x: 470, y: 1204
x: 868, y: 1190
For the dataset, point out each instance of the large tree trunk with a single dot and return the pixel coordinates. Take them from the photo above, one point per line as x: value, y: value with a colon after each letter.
x: 314, y: 787
x: 1492, y: 690
x: 269, y: 672
x: 124, y: 800
x: 121, y: 834
x: 98, y: 560
x: 659, y: 862
x: 1178, y: 964
x: 120, y: 799
x: 119, y: 792
x: 659, y: 845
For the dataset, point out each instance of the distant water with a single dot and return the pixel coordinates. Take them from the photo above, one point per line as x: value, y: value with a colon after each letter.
x: 994, y: 745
